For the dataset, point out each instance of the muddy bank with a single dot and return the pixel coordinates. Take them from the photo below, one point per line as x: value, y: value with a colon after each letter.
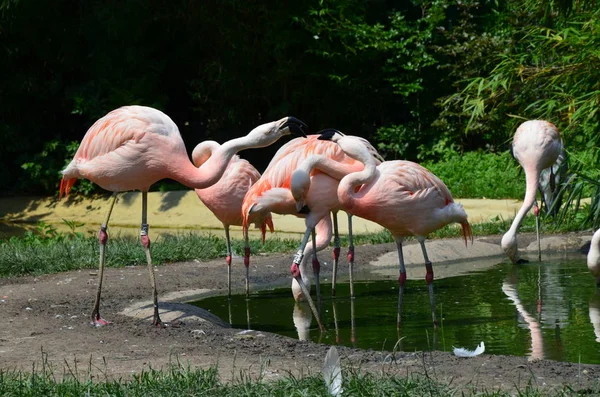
x: 49, y: 314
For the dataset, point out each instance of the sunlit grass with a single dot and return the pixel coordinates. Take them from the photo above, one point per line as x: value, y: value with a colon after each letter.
x: 179, y: 380
x: 51, y: 251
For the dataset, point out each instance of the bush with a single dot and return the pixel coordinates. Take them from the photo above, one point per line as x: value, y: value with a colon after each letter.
x: 480, y: 174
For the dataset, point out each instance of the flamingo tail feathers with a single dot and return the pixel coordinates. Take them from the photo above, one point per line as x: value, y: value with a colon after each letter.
x: 467, y: 231
x: 263, y: 228
x: 65, y: 186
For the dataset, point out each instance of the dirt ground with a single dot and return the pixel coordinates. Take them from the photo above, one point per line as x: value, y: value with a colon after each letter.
x: 47, y: 318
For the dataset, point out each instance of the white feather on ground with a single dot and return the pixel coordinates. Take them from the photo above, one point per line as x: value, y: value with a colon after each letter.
x: 332, y: 373
x: 461, y: 352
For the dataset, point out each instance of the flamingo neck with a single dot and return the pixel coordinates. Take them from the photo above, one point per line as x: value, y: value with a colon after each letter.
x: 326, y: 165
x: 347, y: 187
x: 531, y: 181
x: 210, y: 171
x: 593, y: 258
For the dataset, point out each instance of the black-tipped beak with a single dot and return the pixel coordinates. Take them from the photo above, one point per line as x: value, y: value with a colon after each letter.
x: 304, y: 210
x: 327, y: 134
x: 296, y: 126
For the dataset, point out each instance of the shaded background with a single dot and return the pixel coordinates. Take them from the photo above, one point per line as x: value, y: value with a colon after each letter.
x: 423, y: 80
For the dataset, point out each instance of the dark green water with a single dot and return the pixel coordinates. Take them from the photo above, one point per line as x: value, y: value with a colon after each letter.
x: 549, y: 311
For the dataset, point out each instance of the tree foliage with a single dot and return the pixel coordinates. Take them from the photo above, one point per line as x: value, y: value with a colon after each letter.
x: 423, y: 79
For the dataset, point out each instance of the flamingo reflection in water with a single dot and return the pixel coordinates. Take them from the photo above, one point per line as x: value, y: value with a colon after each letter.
x: 594, y: 312
x: 302, y: 317
x: 509, y: 287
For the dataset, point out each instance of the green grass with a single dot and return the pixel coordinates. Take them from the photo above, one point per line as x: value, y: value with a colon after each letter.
x: 49, y: 251
x: 178, y: 380
x: 481, y: 174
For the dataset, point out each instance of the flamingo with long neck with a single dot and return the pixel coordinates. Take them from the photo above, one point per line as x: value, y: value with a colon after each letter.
x: 308, y: 197
x: 401, y: 196
x: 224, y: 199
x: 272, y: 193
x: 536, y: 146
x: 133, y: 147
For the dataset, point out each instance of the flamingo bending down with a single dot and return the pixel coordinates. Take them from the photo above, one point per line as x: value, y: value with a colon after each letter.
x: 536, y: 146
x: 133, y: 147
x: 224, y: 199
x: 401, y: 196
x: 593, y: 257
x: 271, y: 193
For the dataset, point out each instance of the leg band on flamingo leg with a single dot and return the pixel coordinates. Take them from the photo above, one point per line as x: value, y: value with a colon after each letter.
x: 144, y: 236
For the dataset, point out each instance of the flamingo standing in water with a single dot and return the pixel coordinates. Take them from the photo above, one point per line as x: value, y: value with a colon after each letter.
x: 401, y: 196
x: 536, y: 146
x: 593, y: 257
x: 272, y: 193
x: 224, y: 199
x: 133, y: 147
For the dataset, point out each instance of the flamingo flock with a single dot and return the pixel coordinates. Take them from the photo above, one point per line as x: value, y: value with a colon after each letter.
x: 311, y: 177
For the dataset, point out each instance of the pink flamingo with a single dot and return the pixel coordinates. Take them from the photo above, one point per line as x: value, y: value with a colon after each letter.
x: 401, y: 196
x: 593, y: 257
x: 536, y: 146
x: 272, y: 193
x: 224, y: 199
x: 133, y: 147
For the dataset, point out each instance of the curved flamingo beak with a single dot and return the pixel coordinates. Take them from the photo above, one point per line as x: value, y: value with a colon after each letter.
x: 295, y: 126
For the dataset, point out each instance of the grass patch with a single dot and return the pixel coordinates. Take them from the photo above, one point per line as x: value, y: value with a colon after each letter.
x: 178, y: 380
x: 49, y: 251
x: 480, y: 174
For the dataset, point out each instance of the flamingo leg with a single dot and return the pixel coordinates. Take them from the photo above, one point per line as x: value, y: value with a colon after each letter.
x: 248, y: 313
x: 429, y: 279
x: 401, y: 280
x: 536, y: 212
x: 336, y: 253
x: 295, y: 269
x: 97, y: 320
x: 316, y: 268
x: 335, y: 321
x: 228, y: 259
x: 247, y: 263
x: 350, y: 256
x: 352, y: 323
x: 145, y: 239
x: 230, y: 313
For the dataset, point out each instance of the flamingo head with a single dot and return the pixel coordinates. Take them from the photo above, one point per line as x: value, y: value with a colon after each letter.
x: 330, y: 134
x: 268, y: 133
x: 509, y: 245
x: 299, y: 186
x: 297, y: 291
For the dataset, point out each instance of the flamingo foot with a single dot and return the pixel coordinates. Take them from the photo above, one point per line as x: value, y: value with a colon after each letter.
x: 157, y: 322
x: 100, y: 322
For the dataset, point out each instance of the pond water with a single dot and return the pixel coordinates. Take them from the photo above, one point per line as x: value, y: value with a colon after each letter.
x: 549, y: 310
